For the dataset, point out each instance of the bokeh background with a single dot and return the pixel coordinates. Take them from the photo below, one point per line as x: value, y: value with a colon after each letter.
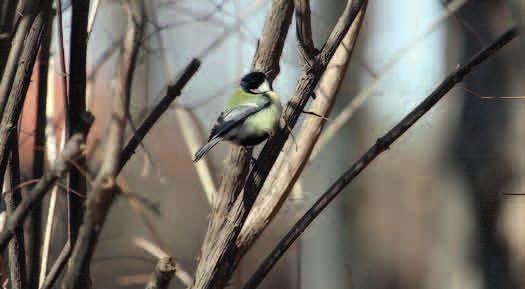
x: 440, y: 209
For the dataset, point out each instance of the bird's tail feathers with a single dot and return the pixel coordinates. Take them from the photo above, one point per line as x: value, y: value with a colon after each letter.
x: 207, y: 147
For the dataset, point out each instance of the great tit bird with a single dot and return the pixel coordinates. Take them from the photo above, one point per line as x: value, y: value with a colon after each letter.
x: 251, y: 115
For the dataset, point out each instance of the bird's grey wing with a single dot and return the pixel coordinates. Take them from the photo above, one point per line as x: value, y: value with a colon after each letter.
x: 230, y: 118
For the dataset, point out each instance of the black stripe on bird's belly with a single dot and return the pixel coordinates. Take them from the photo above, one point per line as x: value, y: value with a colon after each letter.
x: 253, y: 140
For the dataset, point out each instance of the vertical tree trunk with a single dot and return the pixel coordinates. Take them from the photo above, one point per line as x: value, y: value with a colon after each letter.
x: 34, y: 226
x: 479, y: 143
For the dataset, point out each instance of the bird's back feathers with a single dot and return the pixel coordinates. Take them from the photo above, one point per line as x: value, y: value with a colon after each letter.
x: 240, y: 107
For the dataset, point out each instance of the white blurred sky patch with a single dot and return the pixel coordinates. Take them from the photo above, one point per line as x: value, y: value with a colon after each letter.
x: 419, y: 71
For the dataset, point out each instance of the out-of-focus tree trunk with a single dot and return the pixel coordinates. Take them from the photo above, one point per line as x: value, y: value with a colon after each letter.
x: 7, y: 13
x: 480, y: 141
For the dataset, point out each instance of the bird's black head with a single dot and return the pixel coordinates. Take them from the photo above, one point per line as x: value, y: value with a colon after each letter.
x: 256, y: 82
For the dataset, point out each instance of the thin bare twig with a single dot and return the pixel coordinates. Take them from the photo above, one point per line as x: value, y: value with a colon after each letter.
x: 162, y: 275
x: 173, y: 91
x: 52, y: 154
x: 28, y: 10
x: 382, y: 144
x: 12, y: 198
x: 92, y: 16
x: 190, y: 131
x: 34, y: 232
x: 7, y: 15
x: 290, y: 165
x: 347, y: 113
x: 77, y: 119
x: 72, y: 150
x: 62, y: 73
x: 138, y: 207
x: 56, y: 269
x: 101, y: 197
x: 154, y: 250
x: 99, y: 63
x: 303, y: 29
x: 193, y: 136
x: 15, y: 102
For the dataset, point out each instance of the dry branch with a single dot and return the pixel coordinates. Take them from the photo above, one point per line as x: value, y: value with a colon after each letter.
x: 72, y: 150
x: 382, y: 144
x: 154, y: 250
x: 92, y: 16
x: 17, y: 93
x: 52, y: 153
x: 34, y: 233
x: 7, y: 13
x: 173, y: 91
x: 12, y: 198
x: 304, y: 89
x: 77, y: 115
x: 303, y: 21
x: 100, y: 198
x: 289, y: 166
x: 218, y: 250
x: 57, y: 267
x: 347, y: 113
x: 190, y: 128
x: 28, y: 11
x: 267, y: 57
x: 220, y: 253
x: 162, y: 275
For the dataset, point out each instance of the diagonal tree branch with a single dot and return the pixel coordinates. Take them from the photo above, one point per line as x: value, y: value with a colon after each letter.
x: 216, y: 263
x: 346, y: 114
x: 173, y: 91
x: 18, y: 90
x: 189, y: 127
x: 7, y: 13
x: 12, y: 198
x: 266, y: 59
x: 289, y: 166
x: 28, y: 11
x: 33, y: 236
x: 304, y: 89
x: 382, y: 144
x: 220, y: 253
x: 72, y: 150
x: 303, y: 22
x: 57, y: 267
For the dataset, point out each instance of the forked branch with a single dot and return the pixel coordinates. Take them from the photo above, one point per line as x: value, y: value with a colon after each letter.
x: 382, y: 144
x: 289, y: 166
x: 220, y: 251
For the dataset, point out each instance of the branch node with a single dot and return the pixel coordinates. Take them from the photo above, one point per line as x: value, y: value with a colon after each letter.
x: 382, y: 144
